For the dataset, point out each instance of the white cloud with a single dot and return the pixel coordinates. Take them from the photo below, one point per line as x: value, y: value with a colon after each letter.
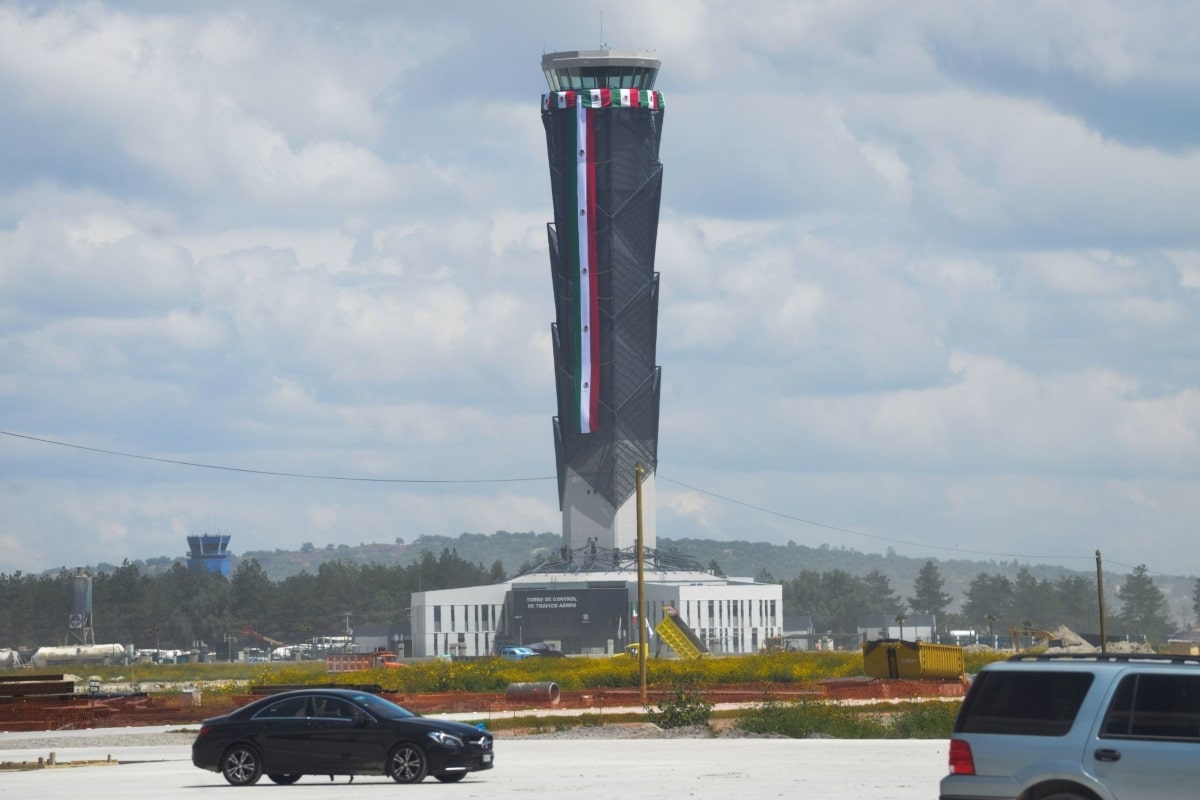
x: 918, y: 278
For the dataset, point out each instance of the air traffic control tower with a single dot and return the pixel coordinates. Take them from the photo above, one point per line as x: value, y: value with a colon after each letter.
x: 603, y: 122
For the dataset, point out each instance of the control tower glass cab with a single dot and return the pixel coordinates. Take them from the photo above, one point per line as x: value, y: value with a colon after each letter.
x: 573, y: 70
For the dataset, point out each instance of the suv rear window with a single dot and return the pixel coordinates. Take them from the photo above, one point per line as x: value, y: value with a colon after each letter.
x: 1023, y: 703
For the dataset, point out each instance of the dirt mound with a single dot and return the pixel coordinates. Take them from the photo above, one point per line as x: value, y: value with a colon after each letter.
x: 1074, y: 643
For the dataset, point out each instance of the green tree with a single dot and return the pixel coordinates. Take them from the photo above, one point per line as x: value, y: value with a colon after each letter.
x: 880, y: 597
x: 33, y: 609
x: 1143, y: 607
x: 989, y: 598
x: 122, y: 595
x: 928, y: 597
x: 1078, y: 602
x: 801, y: 595
x: 844, y: 598
x: 197, y: 603
x: 250, y: 593
x: 1035, y: 600
x: 835, y: 599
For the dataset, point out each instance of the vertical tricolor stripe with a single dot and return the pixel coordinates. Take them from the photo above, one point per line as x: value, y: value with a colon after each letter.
x: 586, y: 263
x: 578, y: 232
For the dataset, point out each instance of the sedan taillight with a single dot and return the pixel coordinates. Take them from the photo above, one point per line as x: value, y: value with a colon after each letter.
x: 961, y: 760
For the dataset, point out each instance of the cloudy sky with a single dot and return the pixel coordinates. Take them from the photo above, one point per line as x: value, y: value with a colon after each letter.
x: 930, y: 274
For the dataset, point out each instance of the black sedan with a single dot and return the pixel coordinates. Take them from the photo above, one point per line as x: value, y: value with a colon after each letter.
x: 337, y: 732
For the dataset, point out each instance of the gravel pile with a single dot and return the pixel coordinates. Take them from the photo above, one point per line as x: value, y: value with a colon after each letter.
x: 125, y: 737
x: 644, y: 730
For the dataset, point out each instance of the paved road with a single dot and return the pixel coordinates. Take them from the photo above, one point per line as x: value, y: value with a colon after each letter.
x: 591, y: 769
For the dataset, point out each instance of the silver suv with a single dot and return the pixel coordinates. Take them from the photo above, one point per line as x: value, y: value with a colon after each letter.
x: 1079, y: 727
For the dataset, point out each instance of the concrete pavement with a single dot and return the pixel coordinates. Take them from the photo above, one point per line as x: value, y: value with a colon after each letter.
x: 590, y: 769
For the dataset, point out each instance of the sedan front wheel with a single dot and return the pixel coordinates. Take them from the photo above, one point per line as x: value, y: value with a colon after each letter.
x: 408, y: 764
x: 240, y: 765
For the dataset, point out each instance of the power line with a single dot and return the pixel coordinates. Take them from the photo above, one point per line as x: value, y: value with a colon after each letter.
x: 876, y: 537
x: 306, y: 476
x: 724, y: 498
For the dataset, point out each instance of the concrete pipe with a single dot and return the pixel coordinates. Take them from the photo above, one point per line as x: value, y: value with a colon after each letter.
x: 533, y: 692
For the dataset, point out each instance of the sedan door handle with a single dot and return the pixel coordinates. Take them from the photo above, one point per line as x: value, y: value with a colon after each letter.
x: 1106, y: 754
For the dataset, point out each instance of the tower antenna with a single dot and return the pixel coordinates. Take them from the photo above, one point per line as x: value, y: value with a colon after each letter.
x: 603, y: 44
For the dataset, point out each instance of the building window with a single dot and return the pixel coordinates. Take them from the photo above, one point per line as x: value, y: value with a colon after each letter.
x: 437, y: 621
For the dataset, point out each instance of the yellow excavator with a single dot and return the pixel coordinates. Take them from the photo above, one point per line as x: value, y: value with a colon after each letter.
x: 1038, y: 639
x: 262, y: 637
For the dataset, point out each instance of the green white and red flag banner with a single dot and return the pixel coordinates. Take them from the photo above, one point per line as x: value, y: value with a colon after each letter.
x: 580, y: 247
x: 583, y: 258
x: 604, y: 98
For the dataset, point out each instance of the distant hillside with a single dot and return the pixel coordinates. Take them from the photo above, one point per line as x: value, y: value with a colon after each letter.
x: 510, y: 549
x: 737, y: 558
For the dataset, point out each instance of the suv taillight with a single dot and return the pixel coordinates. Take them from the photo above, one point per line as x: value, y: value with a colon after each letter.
x: 961, y: 760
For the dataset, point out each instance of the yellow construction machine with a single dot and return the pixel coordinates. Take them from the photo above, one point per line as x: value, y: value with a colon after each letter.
x: 1038, y: 639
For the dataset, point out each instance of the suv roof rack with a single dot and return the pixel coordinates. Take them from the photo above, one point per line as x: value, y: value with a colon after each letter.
x: 1169, y: 658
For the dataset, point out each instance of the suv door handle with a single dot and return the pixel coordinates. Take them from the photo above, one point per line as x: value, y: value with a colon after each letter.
x: 1106, y: 754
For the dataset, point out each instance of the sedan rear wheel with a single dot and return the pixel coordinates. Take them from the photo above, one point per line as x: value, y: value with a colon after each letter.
x: 284, y: 780
x: 408, y: 764
x: 240, y: 765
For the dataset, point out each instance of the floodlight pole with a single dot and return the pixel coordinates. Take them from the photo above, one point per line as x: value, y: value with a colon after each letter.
x: 639, y: 473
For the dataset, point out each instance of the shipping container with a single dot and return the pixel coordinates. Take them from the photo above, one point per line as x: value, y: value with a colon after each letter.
x: 893, y: 658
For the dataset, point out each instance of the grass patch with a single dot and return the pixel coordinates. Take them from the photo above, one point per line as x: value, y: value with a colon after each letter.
x: 805, y: 718
x: 684, y: 707
x: 495, y: 674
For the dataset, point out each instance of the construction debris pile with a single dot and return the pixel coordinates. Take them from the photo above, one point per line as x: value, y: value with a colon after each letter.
x: 1072, y: 642
x: 1065, y: 640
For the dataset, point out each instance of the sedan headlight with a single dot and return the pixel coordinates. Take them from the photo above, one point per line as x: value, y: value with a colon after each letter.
x: 446, y: 739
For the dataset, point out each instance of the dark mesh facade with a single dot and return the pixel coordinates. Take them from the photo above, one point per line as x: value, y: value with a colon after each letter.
x: 628, y: 186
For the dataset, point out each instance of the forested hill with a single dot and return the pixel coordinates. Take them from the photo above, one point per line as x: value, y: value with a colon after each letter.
x: 733, y: 558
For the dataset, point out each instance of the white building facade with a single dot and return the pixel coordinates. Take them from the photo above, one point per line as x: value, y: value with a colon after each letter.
x: 592, y: 613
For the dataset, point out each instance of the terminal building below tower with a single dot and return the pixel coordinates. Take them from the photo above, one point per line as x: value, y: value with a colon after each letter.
x: 585, y: 605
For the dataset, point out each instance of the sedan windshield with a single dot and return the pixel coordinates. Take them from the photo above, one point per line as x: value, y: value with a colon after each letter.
x: 381, y: 707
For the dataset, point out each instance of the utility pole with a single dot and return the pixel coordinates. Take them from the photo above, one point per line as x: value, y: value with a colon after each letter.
x: 639, y: 472
x: 1100, y: 593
